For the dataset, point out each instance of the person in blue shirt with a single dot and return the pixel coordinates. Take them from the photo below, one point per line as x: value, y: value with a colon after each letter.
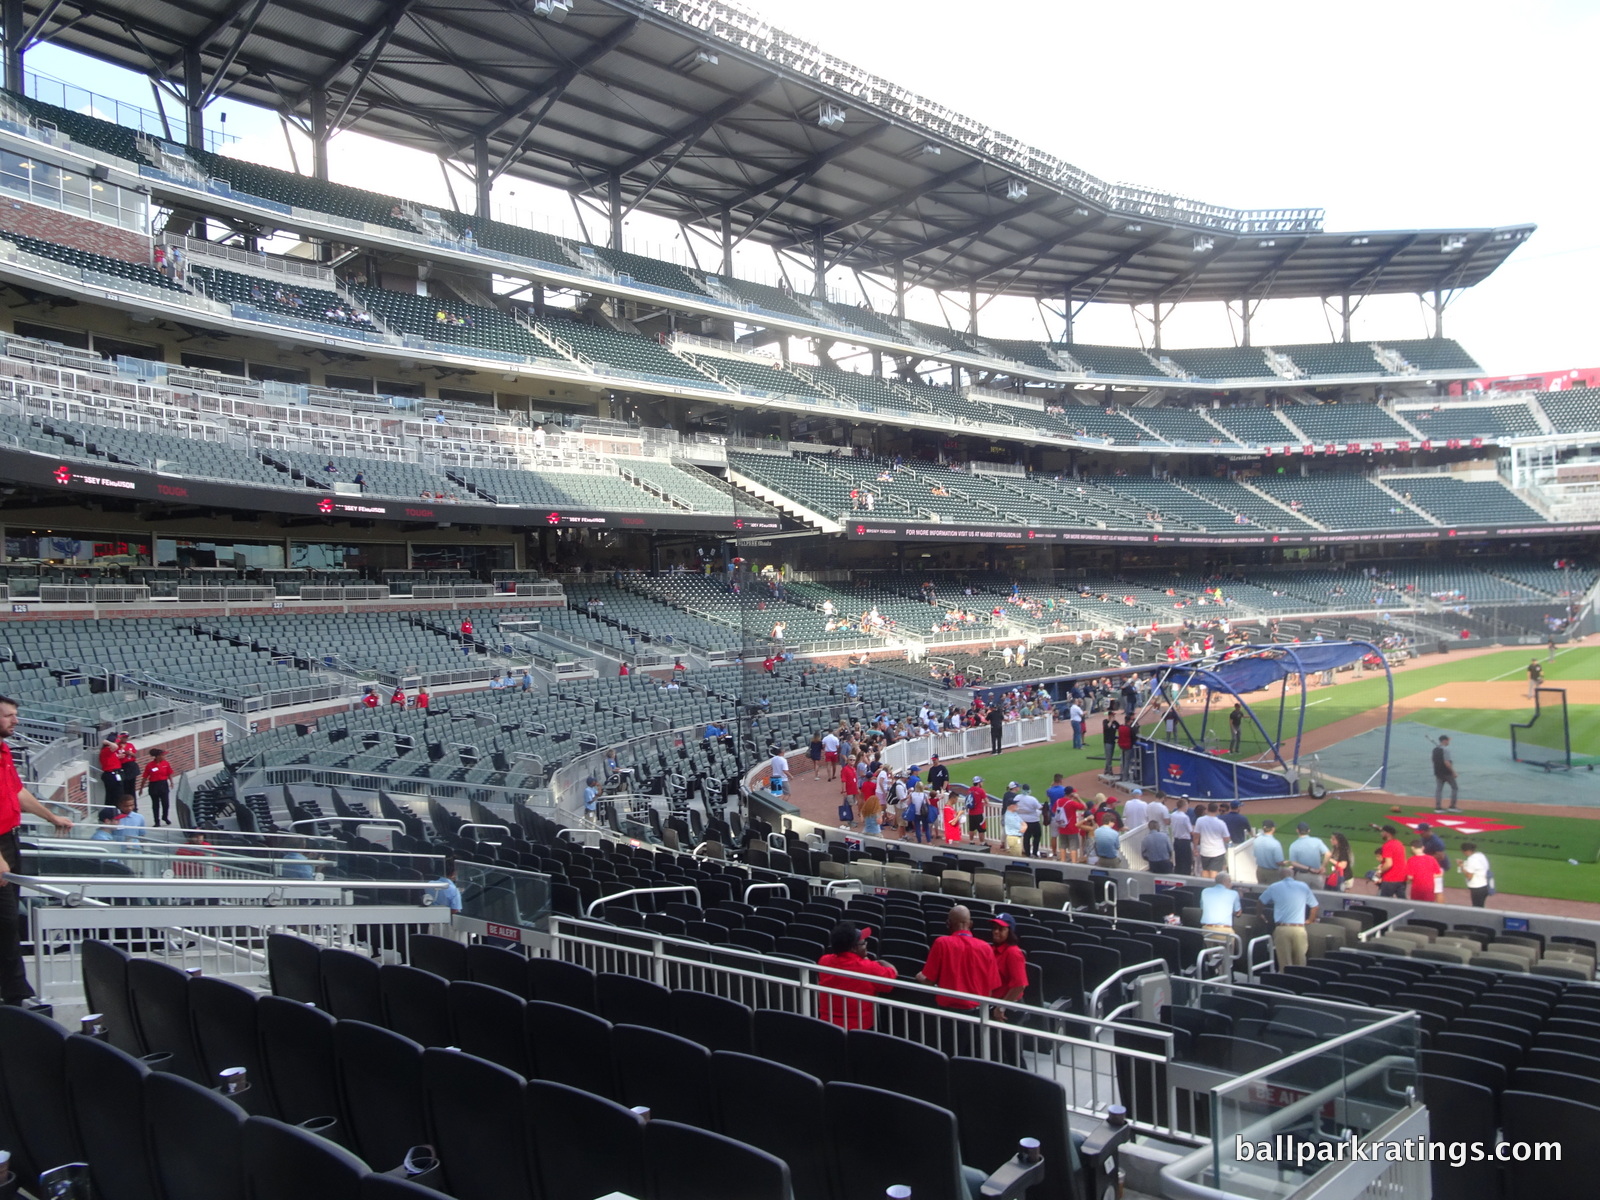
x: 1268, y: 850
x: 851, y: 690
x: 294, y: 864
x: 130, y: 822
x: 1310, y: 854
x: 445, y: 890
x: 714, y: 731
x: 1238, y: 825
x: 1108, y: 845
x: 1292, y: 905
x: 1219, y: 905
x: 591, y: 795
x: 106, y: 831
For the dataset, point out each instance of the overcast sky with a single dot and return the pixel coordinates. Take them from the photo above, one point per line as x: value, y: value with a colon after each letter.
x: 1396, y: 114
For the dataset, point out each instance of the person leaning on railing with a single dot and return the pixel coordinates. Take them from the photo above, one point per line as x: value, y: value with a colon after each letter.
x: 15, y: 799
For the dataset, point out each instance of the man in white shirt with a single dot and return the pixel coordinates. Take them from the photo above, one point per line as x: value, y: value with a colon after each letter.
x: 1211, y: 842
x: 1075, y: 715
x: 1182, y: 837
x: 1135, y: 812
x: 830, y: 754
x: 1157, y: 811
x: 780, y: 772
x: 1027, y: 807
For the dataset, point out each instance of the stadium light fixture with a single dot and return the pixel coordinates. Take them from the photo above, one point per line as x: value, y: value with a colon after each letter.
x: 1204, y: 245
x: 556, y: 10
x: 829, y: 115
x: 1133, y: 227
x: 1266, y: 243
x: 1359, y: 241
x: 1016, y: 190
x: 1451, y: 243
x: 930, y: 150
x: 705, y: 58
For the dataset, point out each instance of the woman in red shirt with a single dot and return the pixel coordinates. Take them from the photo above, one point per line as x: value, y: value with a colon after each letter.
x: 130, y: 764
x: 1010, y: 962
x: 111, y: 768
x: 399, y: 697
x: 850, y: 954
x: 977, y: 802
x: 466, y: 628
x: 423, y: 699
x: 369, y: 699
x: 156, y: 775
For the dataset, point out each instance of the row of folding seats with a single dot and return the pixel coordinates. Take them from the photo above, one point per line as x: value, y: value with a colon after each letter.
x: 686, y: 1056
x: 147, y: 1134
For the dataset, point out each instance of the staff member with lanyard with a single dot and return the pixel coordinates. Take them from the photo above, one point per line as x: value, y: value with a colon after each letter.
x: 14, y: 801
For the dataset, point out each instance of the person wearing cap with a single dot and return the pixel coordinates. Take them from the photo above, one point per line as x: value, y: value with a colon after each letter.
x: 1423, y: 872
x: 1027, y: 807
x: 1157, y: 811
x: 1108, y: 733
x: 1156, y: 848
x: 1182, y: 836
x: 1292, y: 906
x: 1268, y: 850
x: 997, y: 725
x: 1309, y: 854
x: 959, y: 962
x: 1009, y: 796
x: 1010, y: 963
x: 977, y: 805
x: 938, y: 774
x: 1135, y: 812
x: 849, y: 953
x: 1066, y: 819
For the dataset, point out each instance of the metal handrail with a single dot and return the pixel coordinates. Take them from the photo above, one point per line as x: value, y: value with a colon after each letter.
x: 1367, y: 934
x: 386, y: 822
x: 649, y: 891
x: 758, y: 887
x: 1094, y: 996
x: 506, y: 829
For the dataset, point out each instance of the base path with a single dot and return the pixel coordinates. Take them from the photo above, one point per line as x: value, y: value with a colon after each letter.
x: 1508, y: 694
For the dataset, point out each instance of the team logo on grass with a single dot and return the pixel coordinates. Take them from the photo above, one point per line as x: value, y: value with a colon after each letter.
x: 1462, y: 824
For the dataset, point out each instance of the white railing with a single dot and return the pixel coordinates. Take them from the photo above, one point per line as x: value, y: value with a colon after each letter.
x: 1073, y: 1050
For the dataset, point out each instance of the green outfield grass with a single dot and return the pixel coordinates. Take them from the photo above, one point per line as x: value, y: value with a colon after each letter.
x: 1583, y: 722
x: 1528, y: 861
x: 1326, y: 705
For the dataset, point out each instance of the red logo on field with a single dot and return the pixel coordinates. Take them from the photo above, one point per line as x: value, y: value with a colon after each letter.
x: 63, y: 474
x: 1466, y: 825
x: 325, y: 506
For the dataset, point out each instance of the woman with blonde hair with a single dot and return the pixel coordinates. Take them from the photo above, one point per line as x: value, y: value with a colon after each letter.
x: 871, y: 810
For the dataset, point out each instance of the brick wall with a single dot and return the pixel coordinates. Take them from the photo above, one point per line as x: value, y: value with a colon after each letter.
x: 50, y: 225
x: 195, y: 747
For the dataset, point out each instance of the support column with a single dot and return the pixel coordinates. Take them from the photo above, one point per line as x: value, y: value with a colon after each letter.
x: 819, y: 269
x: 194, y: 87
x: 614, y: 203
x: 1066, y: 311
x: 877, y: 362
x: 900, y: 291
x: 1344, y: 314
x: 1155, y: 326
x: 482, y: 183
x: 727, y: 244
x: 1244, y: 321
x: 972, y: 308
x: 319, y: 135
x: 16, y: 28
x: 1438, y: 313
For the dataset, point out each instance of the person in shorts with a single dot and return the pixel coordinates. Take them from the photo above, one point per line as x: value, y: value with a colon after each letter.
x: 830, y: 754
x: 977, y: 802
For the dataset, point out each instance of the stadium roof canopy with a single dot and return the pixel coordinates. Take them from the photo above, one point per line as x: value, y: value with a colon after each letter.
x: 696, y: 109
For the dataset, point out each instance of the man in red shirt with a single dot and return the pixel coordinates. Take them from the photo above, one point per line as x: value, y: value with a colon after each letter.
x: 1392, y: 875
x: 1010, y: 963
x: 156, y: 775
x: 1424, y: 871
x: 14, y: 801
x: 850, y: 954
x: 977, y: 803
x: 622, y: 671
x: 1069, y: 828
x: 369, y: 699
x: 466, y: 627
x: 959, y: 962
x: 399, y: 697
x: 111, y: 768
